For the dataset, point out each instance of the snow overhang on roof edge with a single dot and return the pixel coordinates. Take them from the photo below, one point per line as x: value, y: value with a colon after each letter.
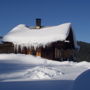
x: 24, y: 36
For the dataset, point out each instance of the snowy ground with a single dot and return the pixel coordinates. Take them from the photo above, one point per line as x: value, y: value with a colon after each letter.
x: 26, y: 72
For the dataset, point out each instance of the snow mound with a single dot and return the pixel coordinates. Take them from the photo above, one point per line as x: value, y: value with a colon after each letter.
x: 30, y: 59
x: 42, y: 73
x: 20, y: 67
x: 36, y: 73
x: 84, y: 63
x: 83, y: 81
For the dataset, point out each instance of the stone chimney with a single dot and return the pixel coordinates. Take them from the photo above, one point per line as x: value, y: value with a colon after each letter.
x: 38, y: 23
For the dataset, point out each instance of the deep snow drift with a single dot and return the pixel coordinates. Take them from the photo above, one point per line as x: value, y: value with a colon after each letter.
x: 83, y: 81
x: 30, y: 73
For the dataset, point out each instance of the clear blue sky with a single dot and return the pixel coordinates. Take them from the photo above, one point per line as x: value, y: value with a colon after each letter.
x: 52, y: 12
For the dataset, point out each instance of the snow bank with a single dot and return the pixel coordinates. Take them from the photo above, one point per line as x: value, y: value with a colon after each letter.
x: 27, y: 72
x: 84, y: 63
x: 29, y: 59
x: 21, y: 58
x: 83, y: 81
x: 36, y: 73
x: 27, y: 68
x: 25, y: 36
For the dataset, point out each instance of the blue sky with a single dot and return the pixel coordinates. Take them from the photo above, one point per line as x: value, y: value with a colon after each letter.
x: 52, y: 12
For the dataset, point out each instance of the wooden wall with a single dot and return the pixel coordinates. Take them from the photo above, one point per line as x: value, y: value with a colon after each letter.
x: 6, y: 48
x: 54, y: 51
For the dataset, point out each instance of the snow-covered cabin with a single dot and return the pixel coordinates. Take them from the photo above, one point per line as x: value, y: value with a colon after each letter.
x: 55, y: 42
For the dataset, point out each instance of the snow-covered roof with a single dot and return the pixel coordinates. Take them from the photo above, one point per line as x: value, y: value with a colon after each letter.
x: 26, y: 36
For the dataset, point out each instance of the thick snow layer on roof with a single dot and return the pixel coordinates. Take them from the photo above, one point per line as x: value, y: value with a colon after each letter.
x: 23, y: 35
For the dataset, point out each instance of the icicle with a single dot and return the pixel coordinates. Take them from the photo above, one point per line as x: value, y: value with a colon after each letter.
x: 14, y: 47
x: 22, y: 46
x: 29, y: 46
x: 17, y: 48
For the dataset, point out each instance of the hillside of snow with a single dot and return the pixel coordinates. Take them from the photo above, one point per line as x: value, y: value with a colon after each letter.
x: 27, y: 72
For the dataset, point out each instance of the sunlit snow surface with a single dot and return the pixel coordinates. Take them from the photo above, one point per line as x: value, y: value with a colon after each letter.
x: 25, y: 72
x: 27, y: 68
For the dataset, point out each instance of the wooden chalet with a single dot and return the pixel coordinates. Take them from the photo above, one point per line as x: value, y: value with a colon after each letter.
x: 55, y: 48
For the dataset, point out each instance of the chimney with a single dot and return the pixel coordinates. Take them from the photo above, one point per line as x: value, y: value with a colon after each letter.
x: 38, y: 23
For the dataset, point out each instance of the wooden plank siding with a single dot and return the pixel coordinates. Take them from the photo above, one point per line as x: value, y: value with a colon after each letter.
x: 55, y: 51
x: 6, y: 48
